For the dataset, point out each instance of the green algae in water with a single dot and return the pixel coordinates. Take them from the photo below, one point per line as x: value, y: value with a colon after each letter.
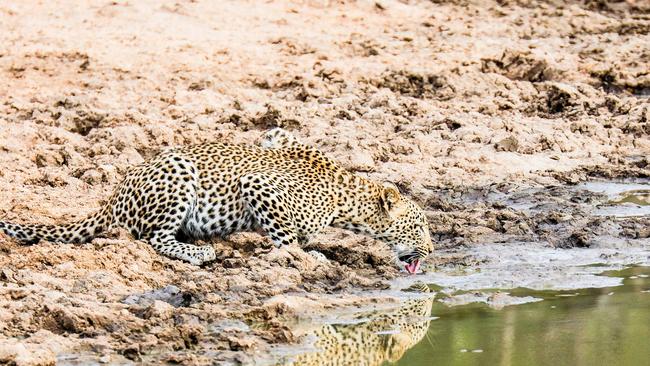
x: 639, y: 197
x: 599, y: 326
x: 624, y: 199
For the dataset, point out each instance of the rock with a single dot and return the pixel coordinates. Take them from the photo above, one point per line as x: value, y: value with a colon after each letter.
x: 518, y: 65
x: 233, y: 263
x: 229, y: 325
x: 241, y: 343
x: 507, y: 144
x: 561, y: 98
x: 159, y: 309
x: 169, y: 294
x: 20, y: 355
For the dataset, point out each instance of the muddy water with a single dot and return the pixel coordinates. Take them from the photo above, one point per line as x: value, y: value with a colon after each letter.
x: 603, y: 326
x: 640, y: 197
x: 624, y: 199
x: 592, y: 326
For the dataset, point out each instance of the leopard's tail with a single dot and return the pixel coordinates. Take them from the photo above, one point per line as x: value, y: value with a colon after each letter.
x: 76, y: 232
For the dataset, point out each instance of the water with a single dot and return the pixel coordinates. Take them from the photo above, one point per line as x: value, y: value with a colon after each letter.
x: 614, y: 189
x: 624, y: 199
x: 595, y: 326
x: 604, y: 326
x: 639, y: 197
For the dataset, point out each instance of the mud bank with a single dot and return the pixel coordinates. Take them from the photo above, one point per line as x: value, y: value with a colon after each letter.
x: 483, y: 112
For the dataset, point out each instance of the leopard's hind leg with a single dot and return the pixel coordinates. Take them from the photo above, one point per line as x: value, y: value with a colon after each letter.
x: 154, y: 203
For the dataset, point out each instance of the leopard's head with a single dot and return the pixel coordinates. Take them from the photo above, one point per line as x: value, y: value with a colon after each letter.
x: 402, y: 224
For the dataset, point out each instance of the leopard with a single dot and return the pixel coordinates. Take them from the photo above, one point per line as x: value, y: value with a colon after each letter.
x: 280, y: 187
x: 370, y: 338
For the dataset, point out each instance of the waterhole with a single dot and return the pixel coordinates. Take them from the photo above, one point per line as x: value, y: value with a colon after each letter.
x: 591, y: 326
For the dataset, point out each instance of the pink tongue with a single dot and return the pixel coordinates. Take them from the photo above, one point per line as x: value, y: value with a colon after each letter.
x: 413, y: 267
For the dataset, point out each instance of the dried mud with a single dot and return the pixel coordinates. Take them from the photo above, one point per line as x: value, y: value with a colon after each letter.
x: 485, y: 112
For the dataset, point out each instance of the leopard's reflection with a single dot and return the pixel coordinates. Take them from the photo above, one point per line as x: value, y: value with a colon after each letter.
x: 386, y: 336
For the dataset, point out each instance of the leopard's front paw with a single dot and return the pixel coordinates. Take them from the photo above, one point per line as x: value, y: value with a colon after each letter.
x: 208, y: 253
x: 203, y: 254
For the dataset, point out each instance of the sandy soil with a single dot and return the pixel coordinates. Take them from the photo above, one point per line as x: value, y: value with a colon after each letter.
x: 461, y: 103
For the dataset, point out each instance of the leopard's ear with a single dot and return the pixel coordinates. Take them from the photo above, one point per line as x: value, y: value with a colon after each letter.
x: 390, y: 200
